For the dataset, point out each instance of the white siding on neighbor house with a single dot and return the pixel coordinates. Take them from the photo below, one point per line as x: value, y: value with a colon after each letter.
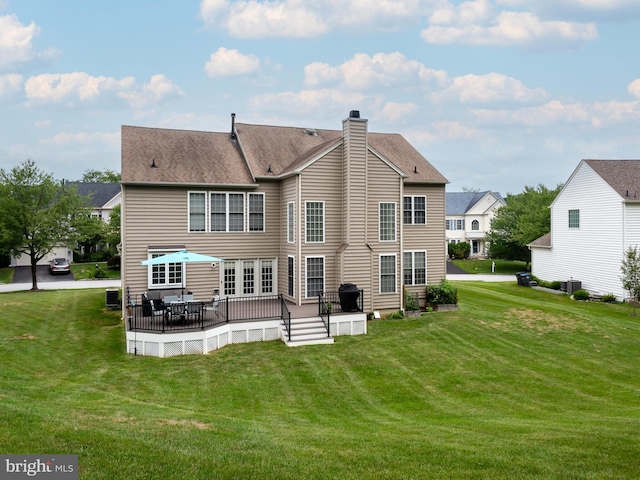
x: 58, y: 252
x: 591, y: 253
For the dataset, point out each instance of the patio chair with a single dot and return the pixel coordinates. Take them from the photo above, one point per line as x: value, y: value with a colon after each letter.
x: 214, y: 306
x: 194, y: 310
x: 157, y: 308
x: 176, y: 311
x: 171, y: 298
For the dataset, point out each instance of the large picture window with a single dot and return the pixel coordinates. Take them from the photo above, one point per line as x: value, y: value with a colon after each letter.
x: 387, y: 274
x: 315, y: 276
x: 415, y: 268
x: 415, y: 210
x: 315, y: 222
x: 387, y: 222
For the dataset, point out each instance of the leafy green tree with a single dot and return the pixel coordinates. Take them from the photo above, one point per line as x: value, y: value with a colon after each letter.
x: 113, y: 236
x: 38, y: 213
x: 525, y: 217
x: 630, y: 277
x: 100, y: 176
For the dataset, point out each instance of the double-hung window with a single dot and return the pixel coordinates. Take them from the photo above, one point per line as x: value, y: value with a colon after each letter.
x: 256, y: 212
x: 574, y: 218
x: 387, y: 273
x: 197, y: 211
x: 387, y: 222
x: 415, y: 268
x: 227, y: 212
x: 315, y: 222
x: 454, y: 224
x: 315, y: 276
x: 415, y: 210
x: 291, y: 222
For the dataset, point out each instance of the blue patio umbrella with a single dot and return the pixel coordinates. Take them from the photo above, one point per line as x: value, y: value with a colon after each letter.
x: 181, y: 256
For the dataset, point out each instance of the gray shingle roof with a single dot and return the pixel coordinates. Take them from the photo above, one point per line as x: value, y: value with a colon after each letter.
x: 100, y: 193
x: 193, y: 157
x: 459, y: 203
x: 622, y: 175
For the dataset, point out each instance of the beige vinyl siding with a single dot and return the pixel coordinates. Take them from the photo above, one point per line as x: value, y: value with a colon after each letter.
x: 383, y: 185
x: 320, y: 183
x: 289, y: 194
x: 158, y: 216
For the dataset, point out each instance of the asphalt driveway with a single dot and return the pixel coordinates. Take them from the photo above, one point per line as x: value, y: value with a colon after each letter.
x: 23, y: 275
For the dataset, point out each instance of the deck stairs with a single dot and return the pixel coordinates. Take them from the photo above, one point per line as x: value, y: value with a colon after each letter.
x: 306, y: 331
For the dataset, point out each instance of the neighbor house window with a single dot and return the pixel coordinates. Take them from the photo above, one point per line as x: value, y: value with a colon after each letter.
x: 315, y: 222
x: 415, y: 268
x: 387, y: 222
x: 227, y: 212
x: 454, y: 224
x: 291, y: 222
x: 197, y: 211
x: 387, y: 274
x: 475, y: 225
x: 315, y: 276
x: 256, y: 212
x: 164, y: 274
x: 415, y: 210
x: 574, y: 218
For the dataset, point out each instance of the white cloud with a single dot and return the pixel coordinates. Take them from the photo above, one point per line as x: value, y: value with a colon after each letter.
x: 306, y: 19
x: 554, y: 113
x: 226, y: 63
x: 596, y: 10
x: 310, y: 102
x: 634, y: 88
x: 10, y: 84
x: 454, y: 130
x: 392, y: 111
x: 157, y: 90
x: 55, y: 87
x: 83, y: 138
x: 15, y: 42
x: 42, y: 123
x: 492, y: 87
x: 474, y: 23
x: 380, y: 70
x: 82, y: 87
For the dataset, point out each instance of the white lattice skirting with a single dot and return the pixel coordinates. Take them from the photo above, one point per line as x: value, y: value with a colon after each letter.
x: 205, y: 341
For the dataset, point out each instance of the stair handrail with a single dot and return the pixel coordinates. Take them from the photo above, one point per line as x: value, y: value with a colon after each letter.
x: 285, y: 315
x: 324, y: 312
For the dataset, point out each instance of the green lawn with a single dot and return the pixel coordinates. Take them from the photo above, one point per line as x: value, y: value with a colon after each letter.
x: 518, y: 384
x: 83, y: 271
x: 6, y: 275
x: 503, y: 267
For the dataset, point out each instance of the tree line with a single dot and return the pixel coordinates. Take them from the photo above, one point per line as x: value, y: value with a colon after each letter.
x: 39, y: 213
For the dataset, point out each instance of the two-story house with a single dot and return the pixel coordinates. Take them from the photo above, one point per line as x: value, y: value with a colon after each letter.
x: 290, y: 210
x: 594, y: 220
x: 468, y: 218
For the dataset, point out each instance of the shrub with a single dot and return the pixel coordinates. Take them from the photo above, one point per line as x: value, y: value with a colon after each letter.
x: 609, y: 298
x: 581, y: 295
x: 99, y: 273
x: 411, y: 301
x: 459, y: 250
x: 442, y: 293
x: 114, y: 262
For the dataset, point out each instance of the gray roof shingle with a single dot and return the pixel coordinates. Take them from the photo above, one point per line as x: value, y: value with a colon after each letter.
x: 622, y: 175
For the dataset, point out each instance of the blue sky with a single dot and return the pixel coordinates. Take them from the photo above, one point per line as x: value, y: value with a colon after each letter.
x: 497, y: 94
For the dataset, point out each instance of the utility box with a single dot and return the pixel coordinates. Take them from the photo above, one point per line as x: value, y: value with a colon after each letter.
x: 573, y: 286
x: 112, y: 297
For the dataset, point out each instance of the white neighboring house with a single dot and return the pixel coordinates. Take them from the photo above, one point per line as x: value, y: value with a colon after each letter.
x: 104, y: 197
x: 468, y: 218
x: 594, y: 219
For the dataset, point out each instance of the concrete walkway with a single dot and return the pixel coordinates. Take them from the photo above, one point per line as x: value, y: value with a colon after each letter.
x: 478, y: 277
x: 62, y: 285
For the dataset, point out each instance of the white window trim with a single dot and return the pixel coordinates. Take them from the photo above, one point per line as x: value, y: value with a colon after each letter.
x: 413, y: 267
x: 306, y: 219
x: 573, y: 227
x: 248, y: 214
x: 413, y: 209
x: 291, y: 222
x: 244, y: 211
x: 395, y: 222
x: 150, y: 284
x: 395, y: 283
x: 206, y: 212
x: 306, y: 272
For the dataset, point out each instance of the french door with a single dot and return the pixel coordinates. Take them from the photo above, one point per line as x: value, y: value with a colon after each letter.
x: 249, y: 278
